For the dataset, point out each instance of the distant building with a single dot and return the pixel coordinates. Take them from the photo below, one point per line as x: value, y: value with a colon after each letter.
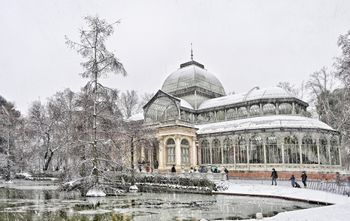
x: 197, y: 123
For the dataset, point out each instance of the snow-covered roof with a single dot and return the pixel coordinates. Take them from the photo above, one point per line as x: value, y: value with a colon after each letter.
x: 136, y: 117
x: 192, y: 74
x: 184, y: 103
x: 266, y: 122
x: 255, y: 94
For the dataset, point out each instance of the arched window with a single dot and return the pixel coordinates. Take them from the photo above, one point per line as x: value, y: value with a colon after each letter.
x: 256, y: 151
x: 205, y: 152
x: 324, y: 154
x: 334, y: 151
x: 228, y: 151
x: 269, y: 109
x: 170, y: 150
x: 242, y: 112
x: 291, y: 150
x: 298, y: 109
x: 216, y: 151
x: 162, y: 109
x: 185, y: 151
x: 254, y: 110
x: 285, y: 108
x: 309, y: 150
x: 241, y: 150
x: 230, y: 114
x: 220, y: 115
x: 186, y: 116
x: 273, y: 151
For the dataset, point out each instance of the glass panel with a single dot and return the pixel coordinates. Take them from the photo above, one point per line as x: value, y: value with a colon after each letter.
x: 216, y: 151
x: 285, y: 108
x: 162, y: 109
x: 291, y: 150
x: 254, y: 110
x: 269, y: 109
x: 242, y: 112
x: 170, y: 150
x: 220, y: 116
x: 256, y: 150
x: 241, y: 150
x: 230, y: 114
x: 205, y: 152
x: 185, y: 152
x: 228, y: 151
x: 309, y: 150
x: 324, y: 155
x: 273, y: 151
x: 334, y: 151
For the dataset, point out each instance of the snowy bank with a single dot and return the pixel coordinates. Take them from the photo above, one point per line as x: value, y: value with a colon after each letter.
x: 339, y: 211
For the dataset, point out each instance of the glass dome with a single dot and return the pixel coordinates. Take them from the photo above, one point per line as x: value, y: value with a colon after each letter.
x: 192, y: 75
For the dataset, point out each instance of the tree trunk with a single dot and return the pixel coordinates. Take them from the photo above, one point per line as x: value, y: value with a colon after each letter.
x: 48, y: 160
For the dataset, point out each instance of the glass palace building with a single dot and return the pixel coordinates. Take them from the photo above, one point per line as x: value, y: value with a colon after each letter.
x: 196, y: 123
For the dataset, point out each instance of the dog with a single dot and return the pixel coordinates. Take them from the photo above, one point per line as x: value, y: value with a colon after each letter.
x: 297, y: 185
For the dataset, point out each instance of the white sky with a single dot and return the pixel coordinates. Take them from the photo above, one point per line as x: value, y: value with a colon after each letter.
x: 244, y: 43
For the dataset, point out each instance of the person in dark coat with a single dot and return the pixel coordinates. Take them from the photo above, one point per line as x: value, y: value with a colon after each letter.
x: 303, y: 178
x: 226, y: 173
x: 156, y: 164
x: 292, y: 180
x: 274, y: 176
x: 173, y: 170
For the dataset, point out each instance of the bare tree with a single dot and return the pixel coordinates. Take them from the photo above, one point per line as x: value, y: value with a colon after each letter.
x: 321, y: 85
x: 9, y: 119
x: 129, y: 103
x: 98, y: 61
x: 292, y: 89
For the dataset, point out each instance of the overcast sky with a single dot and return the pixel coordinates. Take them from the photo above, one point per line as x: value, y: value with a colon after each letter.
x: 244, y: 43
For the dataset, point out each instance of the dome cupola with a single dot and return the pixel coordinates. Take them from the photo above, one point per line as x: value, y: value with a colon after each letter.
x: 192, y: 77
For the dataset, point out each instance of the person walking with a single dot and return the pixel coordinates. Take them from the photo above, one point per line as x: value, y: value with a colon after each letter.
x: 303, y: 178
x: 274, y: 176
x: 173, y: 170
x: 292, y: 180
x: 226, y: 173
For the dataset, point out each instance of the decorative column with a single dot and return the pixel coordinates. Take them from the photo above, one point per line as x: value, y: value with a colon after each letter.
x: 222, y: 148
x: 317, y: 138
x: 211, y: 149
x: 142, y: 153
x: 282, y: 147
x: 247, y: 141
x: 177, y: 151
x: 234, y: 142
x: 277, y: 108
x: 293, y: 108
x: 263, y: 137
x: 193, y: 152
x: 339, y: 150
x: 300, y: 142
x: 161, y: 154
x: 199, y: 152
x: 329, y: 150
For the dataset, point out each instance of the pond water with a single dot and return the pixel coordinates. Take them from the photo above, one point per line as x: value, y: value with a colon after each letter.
x: 34, y: 201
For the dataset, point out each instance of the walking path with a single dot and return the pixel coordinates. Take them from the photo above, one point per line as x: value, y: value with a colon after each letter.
x: 338, y: 212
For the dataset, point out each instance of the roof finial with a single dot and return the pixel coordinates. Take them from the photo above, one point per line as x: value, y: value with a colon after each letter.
x: 191, y: 52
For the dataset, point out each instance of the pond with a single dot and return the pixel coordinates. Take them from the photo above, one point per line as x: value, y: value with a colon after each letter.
x: 34, y: 201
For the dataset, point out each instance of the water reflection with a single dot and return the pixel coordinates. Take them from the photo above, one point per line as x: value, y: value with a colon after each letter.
x: 43, y: 202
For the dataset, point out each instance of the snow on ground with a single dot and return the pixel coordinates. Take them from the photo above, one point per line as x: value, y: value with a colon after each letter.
x: 339, y: 211
x: 95, y: 193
